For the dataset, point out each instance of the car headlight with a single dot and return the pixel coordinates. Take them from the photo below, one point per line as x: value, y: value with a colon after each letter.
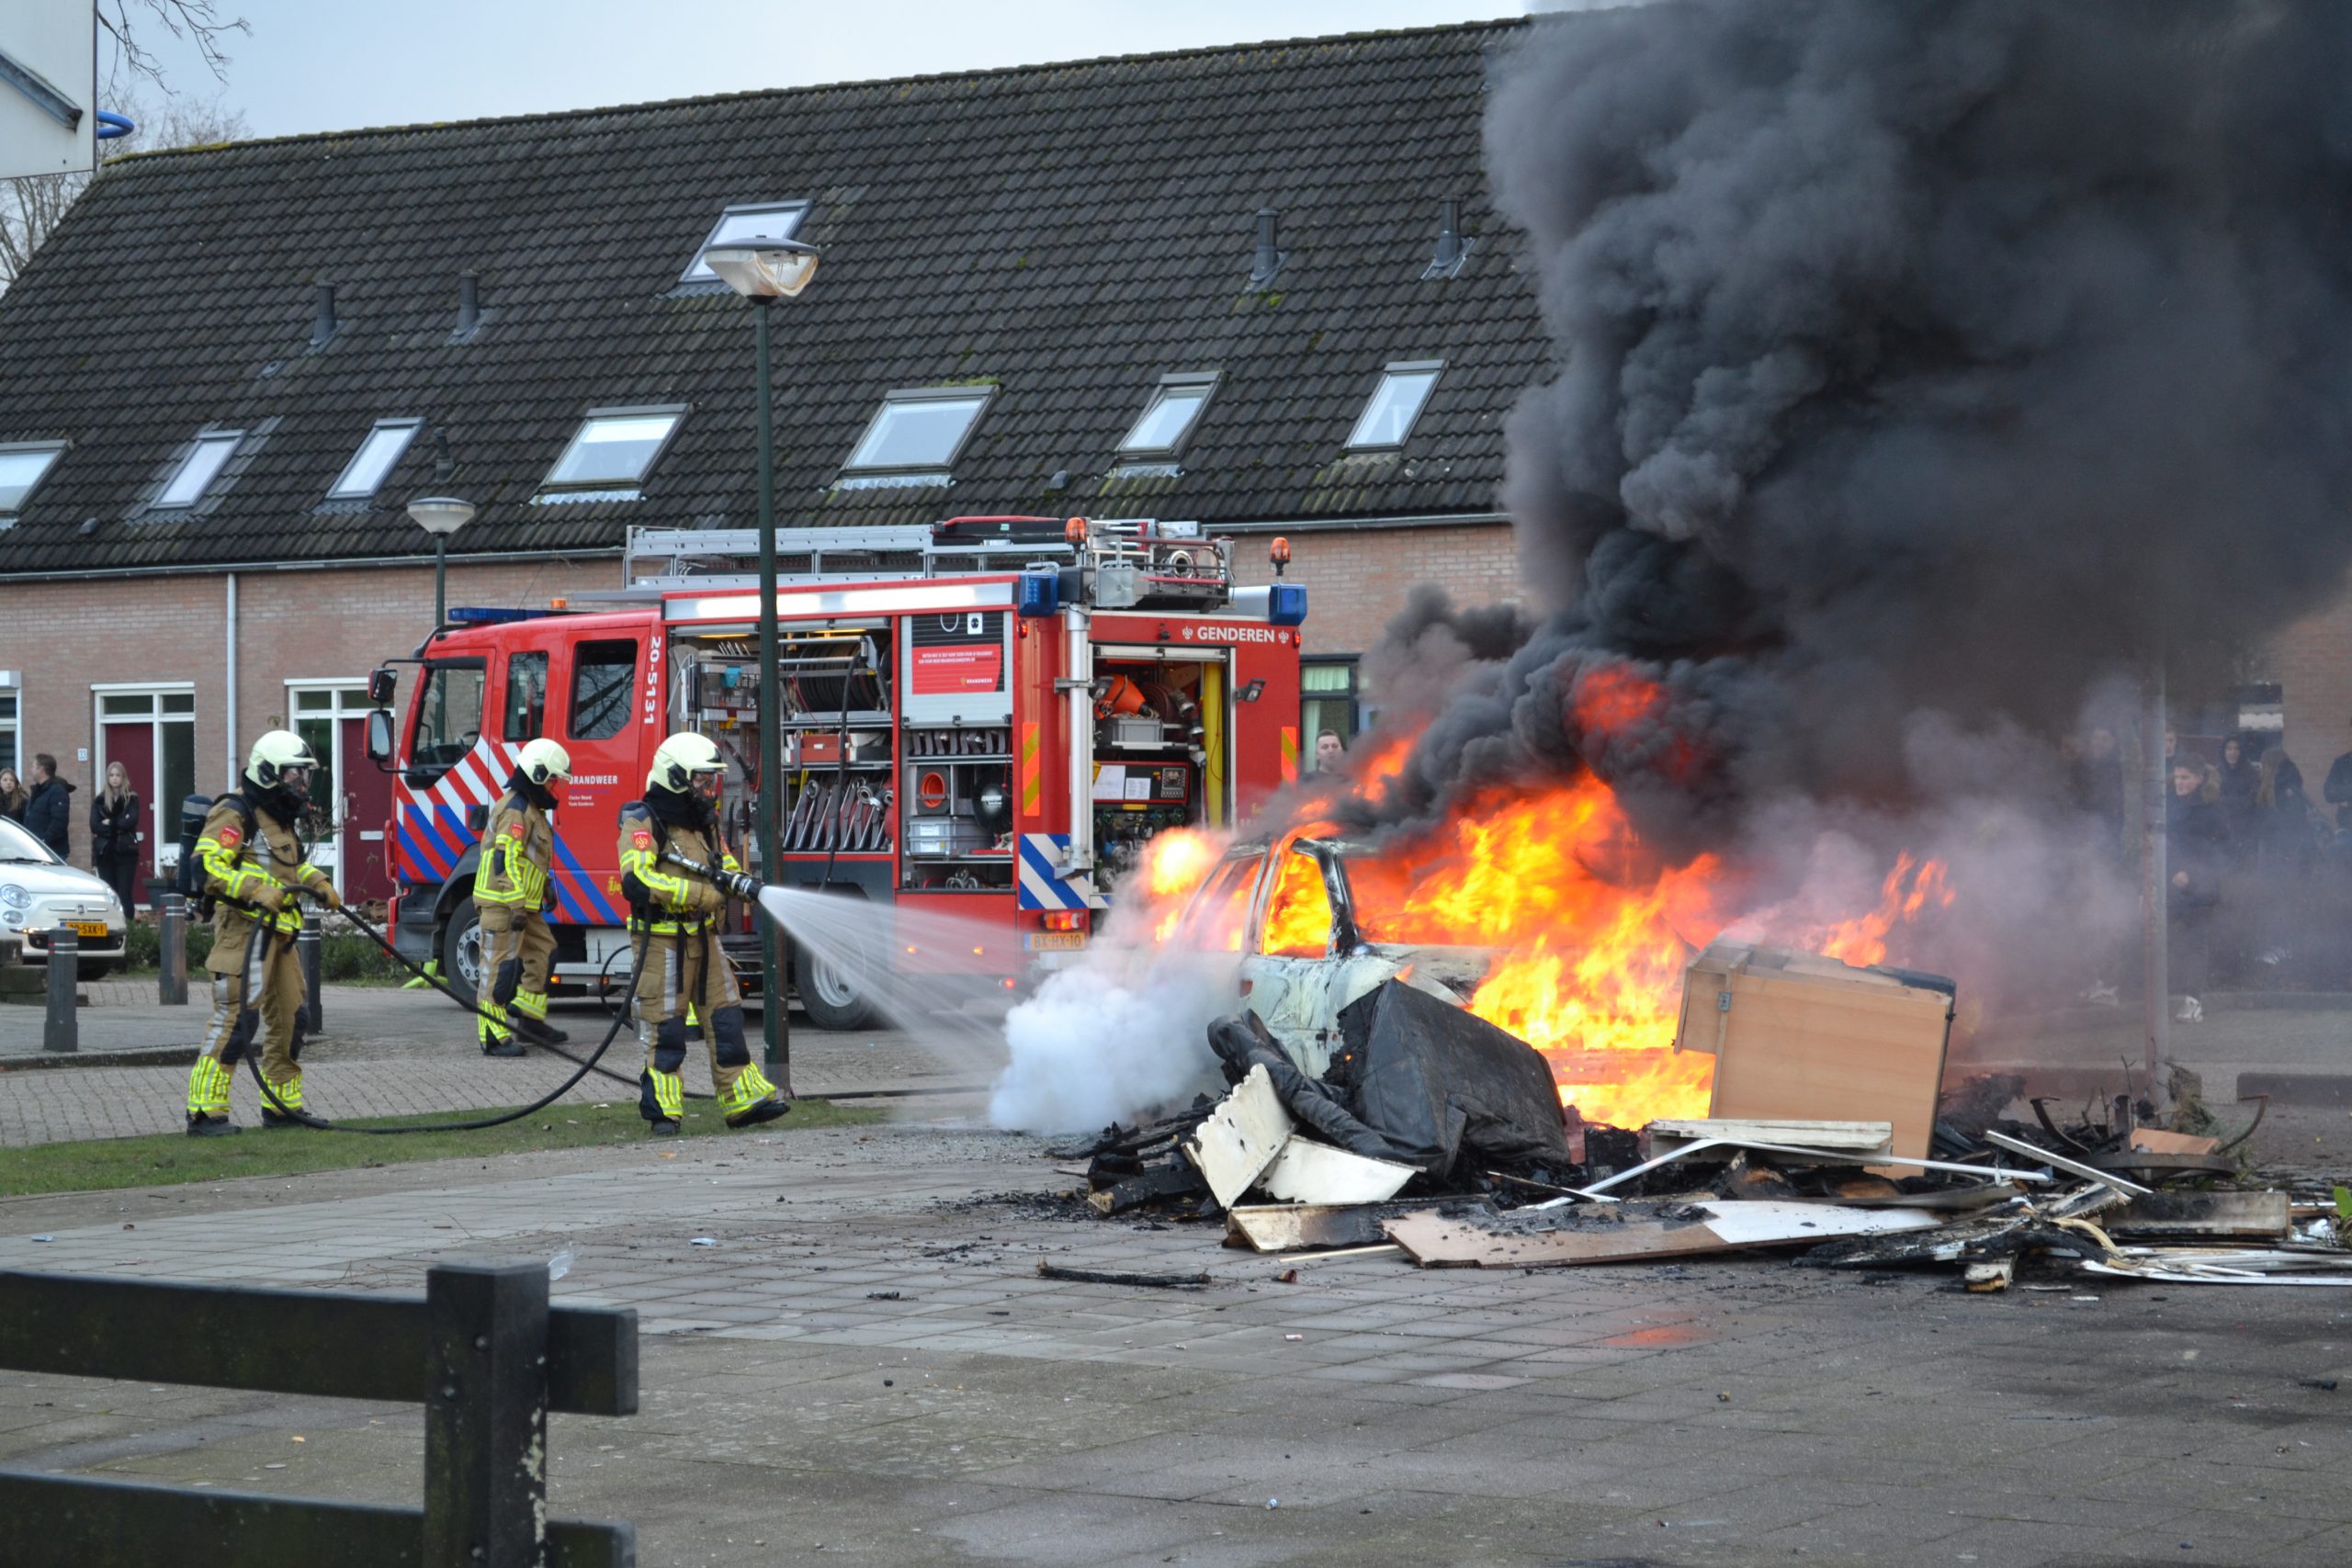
x: 14, y: 896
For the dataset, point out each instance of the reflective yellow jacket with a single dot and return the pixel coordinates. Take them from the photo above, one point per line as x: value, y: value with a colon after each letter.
x: 517, y: 853
x: 239, y: 870
x: 675, y: 900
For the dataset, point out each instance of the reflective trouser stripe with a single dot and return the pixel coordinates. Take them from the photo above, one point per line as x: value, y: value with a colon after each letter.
x: 208, y: 1088
x: 531, y: 1004
x: 288, y: 1094
x: 668, y: 1093
x: 495, y: 1024
x: 750, y: 1087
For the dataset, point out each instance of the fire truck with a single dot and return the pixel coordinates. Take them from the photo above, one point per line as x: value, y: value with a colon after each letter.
x: 985, y: 716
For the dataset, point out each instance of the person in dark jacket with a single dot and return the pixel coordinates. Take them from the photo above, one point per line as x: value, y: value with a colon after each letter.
x: 113, y: 837
x: 50, y: 814
x: 2196, y: 846
x: 2241, y: 781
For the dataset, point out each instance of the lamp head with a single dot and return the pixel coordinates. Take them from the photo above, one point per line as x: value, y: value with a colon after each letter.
x: 759, y: 268
x: 441, y: 514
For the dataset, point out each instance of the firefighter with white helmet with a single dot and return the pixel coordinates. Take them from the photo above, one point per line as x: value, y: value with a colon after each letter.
x: 674, y: 916
x: 254, y: 863
x: 511, y: 895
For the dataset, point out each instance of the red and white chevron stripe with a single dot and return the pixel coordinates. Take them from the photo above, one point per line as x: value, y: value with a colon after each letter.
x: 479, y: 776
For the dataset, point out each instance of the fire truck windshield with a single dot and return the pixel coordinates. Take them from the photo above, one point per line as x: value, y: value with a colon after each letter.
x: 449, y: 712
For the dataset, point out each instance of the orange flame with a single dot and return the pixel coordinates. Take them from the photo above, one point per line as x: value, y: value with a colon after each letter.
x: 1910, y: 888
x: 1173, y: 864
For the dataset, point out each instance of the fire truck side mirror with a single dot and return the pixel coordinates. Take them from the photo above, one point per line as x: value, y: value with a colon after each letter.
x: 381, y: 684
x: 379, y: 736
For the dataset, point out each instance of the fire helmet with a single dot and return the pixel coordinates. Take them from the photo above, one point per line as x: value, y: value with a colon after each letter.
x: 282, y: 759
x: 687, y: 763
x: 543, y: 762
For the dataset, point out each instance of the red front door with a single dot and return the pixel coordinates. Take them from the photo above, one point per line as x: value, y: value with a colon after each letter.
x: 367, y: 810
x: 133, y: 745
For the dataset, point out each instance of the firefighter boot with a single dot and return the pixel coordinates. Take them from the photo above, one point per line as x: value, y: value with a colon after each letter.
x: 207, y: 1092
x: 211, y: 1127
x: 662, y: 1093
x: 529, y: 1017
x: 744, y: 1092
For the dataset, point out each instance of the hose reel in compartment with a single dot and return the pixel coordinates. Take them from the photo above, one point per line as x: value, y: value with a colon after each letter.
x: 833, y: 706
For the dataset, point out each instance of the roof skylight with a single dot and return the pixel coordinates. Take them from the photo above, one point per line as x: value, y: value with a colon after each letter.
x: 364, y: 475
x: 1396, y: 403
x: 1168, y: 419
x: 614, y: 447
x: 757, y: 220
x: 22, y: 465
x: 919, y: 429
x: 200, y: 467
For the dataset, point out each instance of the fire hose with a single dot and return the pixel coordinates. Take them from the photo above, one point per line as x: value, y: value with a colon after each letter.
x: 735, y: 884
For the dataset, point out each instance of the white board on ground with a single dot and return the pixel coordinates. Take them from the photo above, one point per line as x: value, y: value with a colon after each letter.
x: 1240, y: 1138
x: 1858, y: 1137
x: 1308, y: 1172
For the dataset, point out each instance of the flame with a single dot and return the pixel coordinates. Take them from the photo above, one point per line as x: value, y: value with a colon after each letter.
x: 1172, y: 867
x: 1588, y: 930
x: 1910, y: 888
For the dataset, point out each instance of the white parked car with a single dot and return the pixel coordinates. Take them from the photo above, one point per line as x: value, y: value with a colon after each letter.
x: 40, y: 892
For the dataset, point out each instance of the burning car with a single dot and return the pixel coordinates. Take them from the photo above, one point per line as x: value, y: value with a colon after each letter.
x: 1308, y: 915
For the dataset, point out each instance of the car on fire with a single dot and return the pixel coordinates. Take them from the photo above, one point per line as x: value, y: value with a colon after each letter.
x: 39, y: 893
x: 1320, y: 922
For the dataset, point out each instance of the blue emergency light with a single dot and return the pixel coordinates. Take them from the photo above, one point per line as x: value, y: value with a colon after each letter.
x: 490, y: 616
x: 1039, y: 594
x: 1286, y: 603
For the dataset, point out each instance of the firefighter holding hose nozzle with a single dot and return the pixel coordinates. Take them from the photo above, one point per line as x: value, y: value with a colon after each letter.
x: 674, y: 915
x: 511, y: 900
x: 251, y: 862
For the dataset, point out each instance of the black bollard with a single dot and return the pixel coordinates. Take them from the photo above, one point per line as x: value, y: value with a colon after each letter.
x: 306, y: 952
x: 170, y: 940
x: 59, y: 1031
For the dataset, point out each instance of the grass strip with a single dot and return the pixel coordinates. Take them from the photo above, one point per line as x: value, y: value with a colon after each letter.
x: 100, y: 1164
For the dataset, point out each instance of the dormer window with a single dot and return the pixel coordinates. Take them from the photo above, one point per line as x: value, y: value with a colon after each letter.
x: 1168, y: 418
x: 199, y: 467
x: 364, y: 475
x: 614, y: 448
x: 757, y: 220
x: 1396, y: 403
x: 22, y: 465
x: 919, y: 430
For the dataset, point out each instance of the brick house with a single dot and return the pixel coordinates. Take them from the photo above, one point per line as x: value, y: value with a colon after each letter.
x: 1261, y: 287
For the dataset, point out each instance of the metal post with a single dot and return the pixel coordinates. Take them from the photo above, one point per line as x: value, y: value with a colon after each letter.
x: 486, y: 1415
x: 306, y: 952
x: 2156, y: 778
x: 171, y: 941
x: 59, y: 1030
x: 775, y: 993
x: 440, y: 580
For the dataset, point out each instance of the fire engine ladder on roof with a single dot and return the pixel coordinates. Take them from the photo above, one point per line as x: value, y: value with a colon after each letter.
x: 659, y: 559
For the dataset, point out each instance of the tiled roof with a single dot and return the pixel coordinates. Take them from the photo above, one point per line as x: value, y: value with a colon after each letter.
x: 1071, y: 232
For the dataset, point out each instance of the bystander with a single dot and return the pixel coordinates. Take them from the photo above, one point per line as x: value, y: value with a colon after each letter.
x: 13, y: 796
x: 49, y: 813
x: 113, y: 837
x: 2194, y: 850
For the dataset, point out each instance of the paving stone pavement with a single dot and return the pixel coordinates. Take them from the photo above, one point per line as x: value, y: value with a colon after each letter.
x: 388, y: 1053
x: 867, y: 1365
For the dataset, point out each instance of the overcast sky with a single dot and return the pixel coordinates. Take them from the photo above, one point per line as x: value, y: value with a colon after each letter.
x: 334, y: 64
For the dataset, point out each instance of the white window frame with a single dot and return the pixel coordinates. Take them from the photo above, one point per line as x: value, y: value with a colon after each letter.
x: 1187, y: 383
x: 163, y: 854
x: 984, y: 392
x: 348, y: 699
x: 56, y: 449
x: 343, y: 490
x: 675, y: 413
x: 698, y: 271
x: 12, y: 722
x: 226, y: 442
x: 1358, y: 440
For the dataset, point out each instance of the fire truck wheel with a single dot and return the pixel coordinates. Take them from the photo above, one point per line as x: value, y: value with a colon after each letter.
x: 461, y: 952
x: 831, y: 997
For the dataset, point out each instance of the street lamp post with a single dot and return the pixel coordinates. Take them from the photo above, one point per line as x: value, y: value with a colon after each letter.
x: 764, y: 271
x: 441, y: 515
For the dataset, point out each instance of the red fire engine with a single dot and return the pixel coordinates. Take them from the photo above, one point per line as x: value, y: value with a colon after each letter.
x: 985, y: 716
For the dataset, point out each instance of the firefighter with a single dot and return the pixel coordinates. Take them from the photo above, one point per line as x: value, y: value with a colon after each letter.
x: 253, y: 863
x: 511, y: 899
x: 675, y: 922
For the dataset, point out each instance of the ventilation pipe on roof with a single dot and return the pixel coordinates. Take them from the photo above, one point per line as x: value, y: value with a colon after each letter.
x: 1452, y: 245
x: 469, y: 303
x: 1267, y: 260
x: 322, y: 325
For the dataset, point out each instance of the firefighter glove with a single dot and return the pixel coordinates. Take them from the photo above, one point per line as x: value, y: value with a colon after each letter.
x: 327, y: 896
x: 270, y: 895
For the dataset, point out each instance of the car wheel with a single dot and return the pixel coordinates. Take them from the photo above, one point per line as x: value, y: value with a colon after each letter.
x: 461, y: 952
x: 831, y: 994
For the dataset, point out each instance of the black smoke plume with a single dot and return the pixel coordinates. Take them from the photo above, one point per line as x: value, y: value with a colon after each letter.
x: 1914, y: 362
